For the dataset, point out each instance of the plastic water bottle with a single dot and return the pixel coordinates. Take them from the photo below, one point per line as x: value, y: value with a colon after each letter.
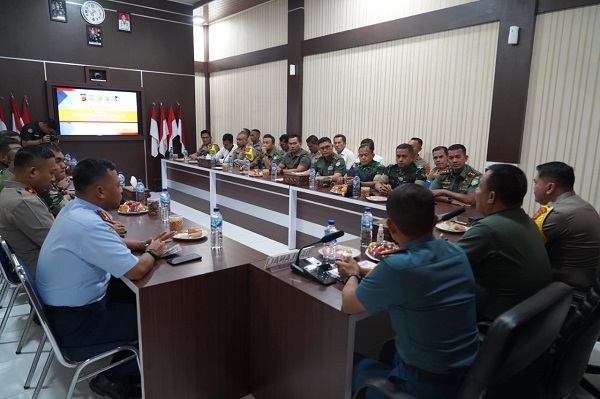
x: 356, y: 186
x: 171, y: 153
x: 185, y: 156
x: 73, y: 163
x: 230, y: 162
x: 366, y: 228
x: 273, y: 171
x: 216, y: 230
x: 140, y: 192
x: 329, y: 253
x: 312, y: 178
x: 213, y: 161
x: 165, y: 205
x: 121, y: 179
x: 68, y: 158
x: 247, y: 165
x: 380, y: 233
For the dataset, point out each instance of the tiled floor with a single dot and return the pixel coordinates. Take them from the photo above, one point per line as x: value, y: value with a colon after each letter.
x: 14, y: 368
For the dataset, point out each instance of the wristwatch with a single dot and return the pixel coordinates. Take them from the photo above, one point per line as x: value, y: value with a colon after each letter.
x: 353, y: 275
x: 154, y: 254
x: 450, y: 199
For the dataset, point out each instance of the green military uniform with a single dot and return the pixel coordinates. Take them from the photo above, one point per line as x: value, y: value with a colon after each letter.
x: 291, y: 161
x: 463, y: 183
x: 24, y: 221
x: 366, y: 173
x: 54, y: 200
x: 274, y: 155
x: 205, y: 149
x: 394, y: 176
x: 330, y: 166
x: 6, y: 175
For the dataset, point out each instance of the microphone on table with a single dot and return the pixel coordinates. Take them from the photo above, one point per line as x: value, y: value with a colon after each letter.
x: 452, y: 214
x: 317, y: 273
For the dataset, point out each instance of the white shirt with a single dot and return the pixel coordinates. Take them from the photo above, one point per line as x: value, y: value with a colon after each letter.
x: 224, y: 154
x: 349, y: 157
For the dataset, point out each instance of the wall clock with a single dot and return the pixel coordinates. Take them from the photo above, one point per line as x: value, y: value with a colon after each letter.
x: 92, y: 12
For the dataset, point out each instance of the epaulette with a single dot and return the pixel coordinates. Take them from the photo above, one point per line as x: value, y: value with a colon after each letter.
x: 335, y: 157
x: 385, y: 254
x: 29, y: 190
x: 444, y: 171
x: 472, y: 174
x: 104, y: 216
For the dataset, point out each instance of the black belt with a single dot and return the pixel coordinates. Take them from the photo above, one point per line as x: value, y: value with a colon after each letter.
x: 426, y: 376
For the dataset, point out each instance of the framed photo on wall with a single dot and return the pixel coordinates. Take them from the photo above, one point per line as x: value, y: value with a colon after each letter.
x: 124, y: 21
x: 94, y: 35
x: 58, y: 10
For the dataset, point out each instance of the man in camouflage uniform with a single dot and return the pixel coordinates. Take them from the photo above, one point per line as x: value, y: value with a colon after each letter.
x: 366, y: 167
x: 456, y: 184
x: 269, y: 152
x: 56, y: 196
x: 404, y: 170
x: 329, y: 164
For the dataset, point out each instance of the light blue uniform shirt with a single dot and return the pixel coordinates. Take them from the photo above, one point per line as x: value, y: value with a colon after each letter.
x: 79, y: 255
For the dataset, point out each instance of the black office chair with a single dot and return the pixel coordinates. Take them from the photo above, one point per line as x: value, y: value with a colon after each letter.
x: 515, y: 339
x: 571, y: 351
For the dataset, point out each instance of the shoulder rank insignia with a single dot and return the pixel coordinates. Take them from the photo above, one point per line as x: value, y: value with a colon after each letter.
x: 472, y: 174
x: 444, y: 171
x: 104, y: 216
x: 30, y: 190
x: 540, y: 216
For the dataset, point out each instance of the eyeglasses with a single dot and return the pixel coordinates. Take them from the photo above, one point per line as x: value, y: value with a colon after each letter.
x: 325, y: 148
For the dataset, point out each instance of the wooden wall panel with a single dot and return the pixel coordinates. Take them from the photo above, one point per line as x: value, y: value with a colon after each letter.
x: 258, y: 28
x: 562, y: 121
x: 437, y: 87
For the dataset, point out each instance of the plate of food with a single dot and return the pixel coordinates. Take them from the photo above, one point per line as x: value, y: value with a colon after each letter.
x: 255, y: 173
x: 339, y: 189
x: 193, y: 161
x: 374, y: 250
x: 339, y: 251
x: 376, y: 198
x: 218, y: 167
x: 191, y: 234
x: 452, y: 227
x: 132, y: 208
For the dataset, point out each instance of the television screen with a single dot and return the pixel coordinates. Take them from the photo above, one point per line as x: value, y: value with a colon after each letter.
x: 97, y: 112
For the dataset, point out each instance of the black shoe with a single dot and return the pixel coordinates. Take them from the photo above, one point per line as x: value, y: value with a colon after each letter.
x: 114, y: 390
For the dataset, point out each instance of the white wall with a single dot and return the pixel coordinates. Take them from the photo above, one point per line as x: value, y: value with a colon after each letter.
x: 563, y: 106
x: 437, y: 87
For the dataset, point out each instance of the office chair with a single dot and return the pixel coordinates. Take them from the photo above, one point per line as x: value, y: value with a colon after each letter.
x: 514, y: 340
x: 571, y: 351
x: 11, y: 281
x: 56, y: 350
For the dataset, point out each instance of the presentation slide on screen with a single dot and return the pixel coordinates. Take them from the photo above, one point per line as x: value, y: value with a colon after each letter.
x: 93, y: 112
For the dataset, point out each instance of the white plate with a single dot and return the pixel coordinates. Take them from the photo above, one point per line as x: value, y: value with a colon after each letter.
x: 185, y: 236
x: 133, y: 213
x: 372, y: 257
x: 218, y: 167
x: 452, y: 227
x: 340, y: 250
x: 376, y: 198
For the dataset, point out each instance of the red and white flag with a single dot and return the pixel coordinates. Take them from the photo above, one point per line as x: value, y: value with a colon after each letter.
x: 163, y: 131
x: 180, y: 129
x: 154, y: 134
x: 24, y: 112
x: 2, y: 120
x: 173, y: 131
x: 17, y: 122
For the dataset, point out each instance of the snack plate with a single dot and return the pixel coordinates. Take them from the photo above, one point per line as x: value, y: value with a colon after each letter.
x: 368, y: 253
x: 133, y: 213
x: 452, y: 227
x: 337, y: 189
x: 186, y: 237
x: 340, y: 251
x: 376, y: 198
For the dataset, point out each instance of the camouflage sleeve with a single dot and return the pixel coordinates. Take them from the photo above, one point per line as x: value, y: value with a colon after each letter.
x: 421, y: 175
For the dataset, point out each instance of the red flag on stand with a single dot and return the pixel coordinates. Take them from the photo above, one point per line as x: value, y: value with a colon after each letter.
x: 24, y: 112
x: 17, y: 122
x: 163, y: 131
x: 2, y: 119
x: 180, y: 129
x: 154, y: 134
x: 172, y: 126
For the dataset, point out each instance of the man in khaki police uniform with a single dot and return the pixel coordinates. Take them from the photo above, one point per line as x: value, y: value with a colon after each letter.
x: 456, y: 184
